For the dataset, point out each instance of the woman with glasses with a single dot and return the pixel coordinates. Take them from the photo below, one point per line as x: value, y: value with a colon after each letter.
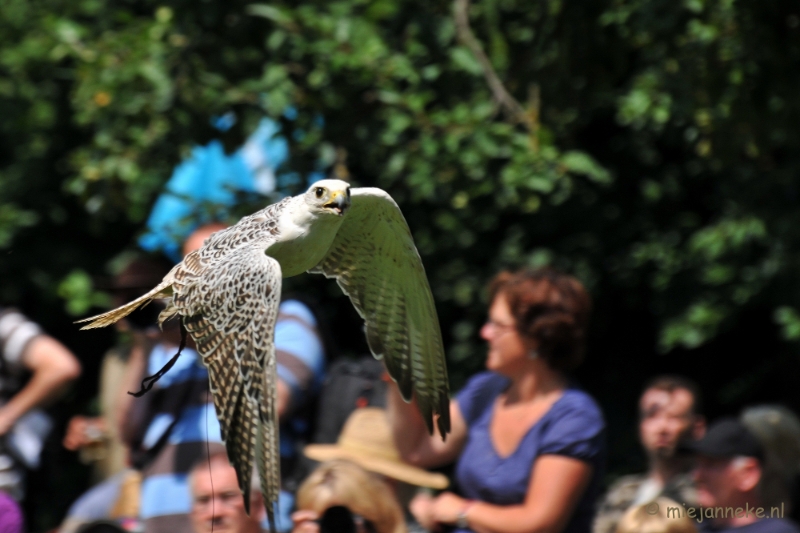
x: 528, y: 444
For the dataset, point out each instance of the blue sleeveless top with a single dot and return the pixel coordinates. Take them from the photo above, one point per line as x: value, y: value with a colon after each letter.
x: 573, y: 427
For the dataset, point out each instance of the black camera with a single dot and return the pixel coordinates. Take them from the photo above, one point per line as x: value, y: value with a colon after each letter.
x: 340, y: 519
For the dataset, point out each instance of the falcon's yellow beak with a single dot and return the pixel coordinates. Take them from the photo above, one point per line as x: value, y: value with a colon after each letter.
x: 339, y: 202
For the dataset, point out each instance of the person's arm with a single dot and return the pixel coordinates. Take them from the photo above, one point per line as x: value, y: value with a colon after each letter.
x: 557, y: 484
x: 131, y: 382
x: 79, y: 429
x: 411, y: 437
x: 52, y: 368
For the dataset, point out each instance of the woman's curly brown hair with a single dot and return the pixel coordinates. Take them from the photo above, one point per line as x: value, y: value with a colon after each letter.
x: 549, y: 307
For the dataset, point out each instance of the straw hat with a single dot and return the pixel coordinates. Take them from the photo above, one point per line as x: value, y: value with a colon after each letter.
x: 366, y: 439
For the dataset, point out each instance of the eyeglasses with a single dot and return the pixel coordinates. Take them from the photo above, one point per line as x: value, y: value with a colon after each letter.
x: 340, y: 519
x: 497, y: 327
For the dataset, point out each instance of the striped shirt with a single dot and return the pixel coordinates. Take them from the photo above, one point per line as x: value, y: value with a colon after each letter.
x: 166, y: 499
x: 16, y: 334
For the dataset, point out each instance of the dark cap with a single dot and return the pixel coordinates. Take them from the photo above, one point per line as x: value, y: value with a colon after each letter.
x: 728, y: 437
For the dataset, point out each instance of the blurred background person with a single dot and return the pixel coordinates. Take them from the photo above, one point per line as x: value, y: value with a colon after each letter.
x: 217, y: 504
x: 778, y: 431
x: 657, y: 516
x: 529, y: 445
x: 98, y: 439
x: 34, y: 370
x: 137, y: 331
x: 369, y: 503
x: 728, y: 473
x: 669, y: 415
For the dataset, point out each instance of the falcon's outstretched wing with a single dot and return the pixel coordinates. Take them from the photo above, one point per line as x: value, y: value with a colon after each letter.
x: 375, y: 262
x: 229, y: 305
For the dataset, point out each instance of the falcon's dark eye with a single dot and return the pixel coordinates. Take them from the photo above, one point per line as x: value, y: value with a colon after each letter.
x: 319, y: 191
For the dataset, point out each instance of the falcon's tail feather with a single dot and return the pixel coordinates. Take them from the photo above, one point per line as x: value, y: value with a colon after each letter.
x: 110, y: 317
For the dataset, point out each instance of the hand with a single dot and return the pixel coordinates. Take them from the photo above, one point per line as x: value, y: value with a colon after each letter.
x: 81, y: 431
x: 421, y: 507
x: 446, y: 508
x: 305, y: 522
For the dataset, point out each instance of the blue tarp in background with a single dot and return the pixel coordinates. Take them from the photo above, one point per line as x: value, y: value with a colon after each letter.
x: 206, y: 185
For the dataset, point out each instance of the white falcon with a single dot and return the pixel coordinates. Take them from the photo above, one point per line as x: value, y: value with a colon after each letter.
x: 227, y: 294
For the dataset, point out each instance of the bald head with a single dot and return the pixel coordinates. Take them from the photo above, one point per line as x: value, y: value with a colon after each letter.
x: 198, y: 236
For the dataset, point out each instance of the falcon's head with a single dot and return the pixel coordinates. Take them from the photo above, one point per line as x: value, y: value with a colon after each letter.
x: 329, y: 196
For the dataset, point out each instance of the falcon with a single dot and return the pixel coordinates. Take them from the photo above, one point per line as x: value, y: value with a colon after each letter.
x: 227, y: 294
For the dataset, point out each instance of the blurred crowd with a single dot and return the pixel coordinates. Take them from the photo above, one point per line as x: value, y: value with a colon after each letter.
x: 527, y: 451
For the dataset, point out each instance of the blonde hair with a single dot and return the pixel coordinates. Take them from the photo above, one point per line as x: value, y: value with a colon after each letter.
x: 341, y: 482
x: 659, y: 516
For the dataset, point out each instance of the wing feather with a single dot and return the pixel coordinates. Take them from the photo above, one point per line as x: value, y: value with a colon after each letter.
x: 375, y: 262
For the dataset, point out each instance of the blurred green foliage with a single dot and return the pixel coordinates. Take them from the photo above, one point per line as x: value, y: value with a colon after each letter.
x: 656, y: 156
x: 78, y: 292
